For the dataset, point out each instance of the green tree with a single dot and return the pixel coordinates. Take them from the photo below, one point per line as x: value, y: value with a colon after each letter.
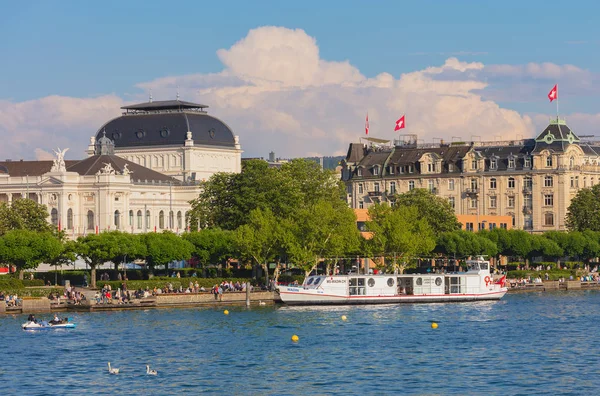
x: 24, y: 214
x: 228, y: 199
x: 260, y: 238
x: 434, y: 209
x: 584, y: 211
x: 326, y: 229
x: 125, y: 247
x: 26, y: 249
x: 212, y: 245
x: 95, y: 249
x: 164, y: 248
x: 463, y: 243
x: 67, y: 255
x: 399, y: 234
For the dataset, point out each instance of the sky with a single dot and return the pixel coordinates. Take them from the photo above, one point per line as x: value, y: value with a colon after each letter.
x: 298, y: 78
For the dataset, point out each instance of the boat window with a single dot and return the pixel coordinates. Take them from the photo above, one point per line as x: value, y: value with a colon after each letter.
x: 438, y: 281
x: 361, y: 281
x: 390, y: 282
x: 484, y: 266
x: 317, y: 281
x: 352, y: 281
x: 310, y: 281
x: 371, y: 282
x: 419, y: 281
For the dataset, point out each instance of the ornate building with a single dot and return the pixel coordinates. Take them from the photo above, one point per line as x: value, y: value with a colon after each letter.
x: 531, y: 180
x: 112, y: 189
x: 175, y: 138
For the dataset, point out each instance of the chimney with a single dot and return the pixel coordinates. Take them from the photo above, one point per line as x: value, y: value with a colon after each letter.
x: 272, y: 156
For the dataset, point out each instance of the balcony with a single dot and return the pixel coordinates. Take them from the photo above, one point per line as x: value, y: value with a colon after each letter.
x: 527, y: 209
x: 433, y: 190
x: 527, y: 190
x: 375, y: 193
x: 472, y: 191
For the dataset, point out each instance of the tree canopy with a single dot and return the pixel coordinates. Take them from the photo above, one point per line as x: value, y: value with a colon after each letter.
x: 26, y: 249
x: 228, y: 198
x: 164, y: 248
x: 24, y: 214
x: 584, y: 211
x: 399, y: 234
x: 436, y: 210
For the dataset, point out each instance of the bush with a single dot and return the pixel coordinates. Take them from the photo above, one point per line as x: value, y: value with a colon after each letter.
x: 553, y: 274
x: 33, y: 282
x: 11, y: 284
x: 161, y: 282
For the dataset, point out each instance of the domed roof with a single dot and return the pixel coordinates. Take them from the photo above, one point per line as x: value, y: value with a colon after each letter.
x: 3, y: 170
x: 166, y: 123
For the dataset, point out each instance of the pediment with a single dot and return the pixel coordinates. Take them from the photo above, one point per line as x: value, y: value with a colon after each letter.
x: 50, y: 181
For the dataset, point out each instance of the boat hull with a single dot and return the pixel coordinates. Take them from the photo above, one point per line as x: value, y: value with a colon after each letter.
x: 303, y: 298
x: 47, y: 326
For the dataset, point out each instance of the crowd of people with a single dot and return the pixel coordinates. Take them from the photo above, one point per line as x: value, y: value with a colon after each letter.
x: 11, y: 300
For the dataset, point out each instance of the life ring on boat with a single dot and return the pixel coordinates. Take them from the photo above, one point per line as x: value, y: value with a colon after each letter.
x: 488, y: 280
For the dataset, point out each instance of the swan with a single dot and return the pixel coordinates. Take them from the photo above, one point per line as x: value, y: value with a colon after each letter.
x: 112, y: 370
x: 262, y: 303
x: 149, y: 371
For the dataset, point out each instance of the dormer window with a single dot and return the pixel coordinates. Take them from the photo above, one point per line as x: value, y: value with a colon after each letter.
x: 511, y: 162
x: 527, y: 162
x: 410, y: 169
x: 493, y: 163
x: 571, y: 162
x: 430, y: 168
x: 450, y: 167
x: 359, y: 172
x: 391, y: 170
x: 549, y: 161
x: 375, y: 170
x: 474, y: 164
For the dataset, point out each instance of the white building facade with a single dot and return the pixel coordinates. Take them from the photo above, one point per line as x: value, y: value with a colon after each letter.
x: 113, y: 189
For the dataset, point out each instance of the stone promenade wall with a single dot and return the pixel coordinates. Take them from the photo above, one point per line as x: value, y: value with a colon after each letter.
x: 207, y: 298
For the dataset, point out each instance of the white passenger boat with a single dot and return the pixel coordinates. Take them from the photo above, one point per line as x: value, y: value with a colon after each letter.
x: 474, y: 285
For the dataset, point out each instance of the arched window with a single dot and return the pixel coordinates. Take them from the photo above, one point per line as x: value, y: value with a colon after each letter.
x: 139, y: 219
x: 90, y: 220
x: 117, y: 219
x: 131, y: 218
x: 147, y: 219
x: 549, y: 161
x: 70, y: 219
x: 171, y: 221
x: 54, y: 216
x: 161, y: 219
x: 179, y: 224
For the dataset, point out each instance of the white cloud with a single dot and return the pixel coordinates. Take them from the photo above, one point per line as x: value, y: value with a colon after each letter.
x: 31, y: 128
x: 277, y: 93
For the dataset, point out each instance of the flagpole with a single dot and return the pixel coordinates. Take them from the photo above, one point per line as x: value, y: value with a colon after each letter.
x: 557, y: 118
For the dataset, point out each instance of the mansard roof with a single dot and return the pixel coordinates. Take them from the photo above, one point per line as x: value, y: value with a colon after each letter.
x: 556, y: 137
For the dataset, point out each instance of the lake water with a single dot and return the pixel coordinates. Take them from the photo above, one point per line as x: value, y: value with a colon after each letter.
x: 534, y: 343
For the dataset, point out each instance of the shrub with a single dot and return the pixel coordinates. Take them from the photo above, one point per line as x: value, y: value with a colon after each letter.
x: 161, y: 282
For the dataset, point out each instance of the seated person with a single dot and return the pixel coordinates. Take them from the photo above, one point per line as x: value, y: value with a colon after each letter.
x: 56, y: 320
x: 31, y: 318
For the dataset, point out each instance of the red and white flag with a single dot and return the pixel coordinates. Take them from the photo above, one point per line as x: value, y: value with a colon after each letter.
x: 553, y: 94
x: 400, y: 123
x: 367, y: 125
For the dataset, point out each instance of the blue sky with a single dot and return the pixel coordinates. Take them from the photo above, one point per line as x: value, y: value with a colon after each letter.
x: 81, y: 50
